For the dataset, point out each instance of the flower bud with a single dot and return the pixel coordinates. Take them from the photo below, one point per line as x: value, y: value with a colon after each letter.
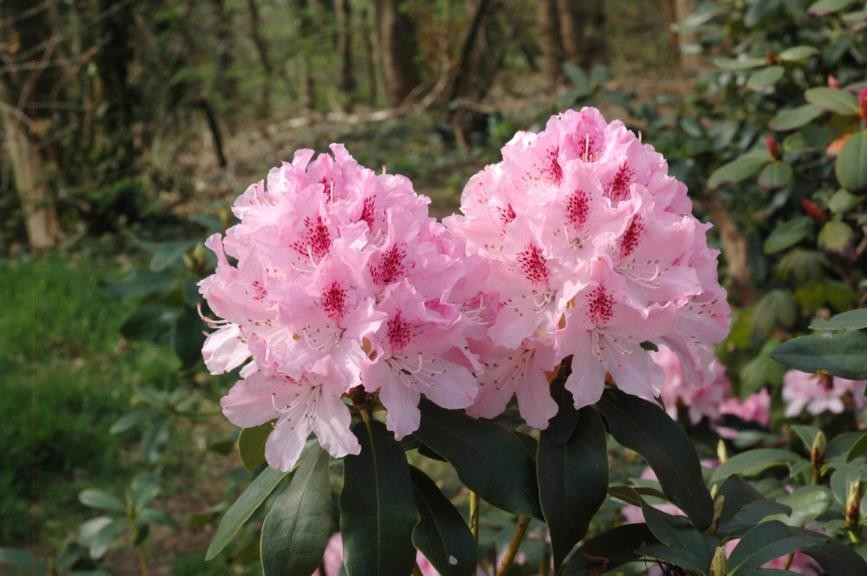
x: 817, y: 450
x: 853, y: 504
x: 718, y: 566
x: 721, y: 452
x: 833, y: 82
x: 862, y: 103
x: 813, y: 211
x: 773, y: 146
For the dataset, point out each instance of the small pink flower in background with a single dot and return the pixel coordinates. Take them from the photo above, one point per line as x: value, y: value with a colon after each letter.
x: 703, y: 398
x: 338, y: 278
x: 591, y: 249
x: 818, y: 393
x: 754, y: 408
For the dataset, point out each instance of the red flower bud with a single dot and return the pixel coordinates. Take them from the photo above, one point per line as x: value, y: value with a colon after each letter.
x: 813, y: 211
x: 862, y: 102
x: 773, y: 146
x: 833, y: 82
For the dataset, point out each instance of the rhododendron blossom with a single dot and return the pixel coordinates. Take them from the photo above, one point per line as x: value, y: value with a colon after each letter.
x: 591, y: 250
x: 338, y: 279
x: 818, y: 393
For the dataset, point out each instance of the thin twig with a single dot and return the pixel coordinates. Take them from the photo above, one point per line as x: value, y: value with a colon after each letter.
x: 512, y: 550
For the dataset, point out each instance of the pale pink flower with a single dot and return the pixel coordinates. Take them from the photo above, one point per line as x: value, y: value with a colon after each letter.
x: 702, y: 398
x: 817, y: 393
x: 754, y: 408
x: 336, y: 277
x: 591, y: 249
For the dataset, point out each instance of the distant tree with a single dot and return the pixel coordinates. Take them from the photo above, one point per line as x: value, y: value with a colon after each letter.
x: 550, y: 41
x: 397, y: 44
x: 346, y: 79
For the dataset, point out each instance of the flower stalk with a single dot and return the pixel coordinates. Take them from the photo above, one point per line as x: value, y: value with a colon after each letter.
x: 514, y: 545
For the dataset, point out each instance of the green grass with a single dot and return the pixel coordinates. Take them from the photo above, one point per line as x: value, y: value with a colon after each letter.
x: 65, y: 377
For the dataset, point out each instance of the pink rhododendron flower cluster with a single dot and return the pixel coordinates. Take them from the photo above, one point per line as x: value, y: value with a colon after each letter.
x: 818, y: 393
x: 592, y: 249
x: 338, y: 279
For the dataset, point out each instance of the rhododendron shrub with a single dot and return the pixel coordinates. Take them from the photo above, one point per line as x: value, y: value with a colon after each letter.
x: 370, y: 339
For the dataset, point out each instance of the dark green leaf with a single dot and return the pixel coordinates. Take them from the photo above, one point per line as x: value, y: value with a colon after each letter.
x: 840, y: 354
x: 632, y: 494
x: 825, y: 7
x: 153, y: 322
x: 764, y: 78
x: 159, y: 517
x: 837, y: 559
x: 608, y: 550
x: 858, y: 448
x: 807, y: 434
x: 142, y: 283
x: 133, y: 419
x: 188, y: 337
x: 743, y: 507
x: 377, y: 509
x: 738, y: 169
x: 851, y: 163
x: 296, y: 530
x: 833, y: 100
x: 739, y: 63
x: 754, y: 462
x: 647, y: 429
x: 573, y: 479
x: 244, y: 507
x: 22, y: 560
x: 101, y: 500
x: 488, y: 458
x: 797, y: 53
x: 791, y: 118
x: 775, y: 175
x: 251, y: 445
x: 679, y: 541
x: 766, y: 542
x: 807, y: 503
x: 441, y: 534
x: 164, y: 254
x: 788, y: 234
x: 100, y: 533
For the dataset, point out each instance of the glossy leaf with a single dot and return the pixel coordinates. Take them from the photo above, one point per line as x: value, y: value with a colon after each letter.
x: 377, y: 508
x: 608, y: 550
x: 837, y: 559
x: 488, y: 458
x: 647, y: 429
x: 850, y: 320
x: 754, y: 462
x: 739, y: 169
x: 775, y: 175
x: 679, y: 542
x: 765, y: 78
x: 739, y: 63
x: 797, y: 53
x: 251, y: 445
x: 851, y: 164
x: 791, y: 118
x: 244, y: 507
x: 298, y: 525
x: 806, y: 503
x: 165, y: 254
x: 788, y: 234
x: 840, y: 354
x: 100, y: 533
x: 743, y: 507
x: 835, y: 236
x: 825, y: 7
x: 101, y: 500
x: 766, y: 542
x: 858, y: 448
x: 573, y: 479
x: 833, y: 100
x: 441, y: 534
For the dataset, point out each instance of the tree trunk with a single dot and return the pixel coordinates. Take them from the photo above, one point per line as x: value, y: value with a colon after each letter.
x: 679, y: 10
x: 262, y: 51
x: 346, y: 82
x: 398, y: 47
x: 550, y: 43
x: 223, y: 32
x: 735, y: 251
x: 571, y: 30
x: 368, y: 34
x: 40, y: 218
